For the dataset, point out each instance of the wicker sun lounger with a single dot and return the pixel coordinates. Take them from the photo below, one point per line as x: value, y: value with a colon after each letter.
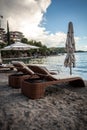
x: 6, y: 66
x: 23, y: 72
x: 38, y: 78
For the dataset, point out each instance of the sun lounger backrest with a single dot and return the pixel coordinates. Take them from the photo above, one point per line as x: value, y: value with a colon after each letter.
x: 39, y: 69
x: 20, y: 66
x: 32, y: 69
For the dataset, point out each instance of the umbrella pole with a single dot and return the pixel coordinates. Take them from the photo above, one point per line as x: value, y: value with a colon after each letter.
x: 70, y: 65
x: 70, y: 70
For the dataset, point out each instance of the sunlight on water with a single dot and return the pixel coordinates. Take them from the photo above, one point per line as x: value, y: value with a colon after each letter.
x: 56, y: 63
x: 53, y: 62
x: 81, y: 65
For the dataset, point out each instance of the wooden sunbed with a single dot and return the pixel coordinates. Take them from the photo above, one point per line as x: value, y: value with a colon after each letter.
x: 36, y: 79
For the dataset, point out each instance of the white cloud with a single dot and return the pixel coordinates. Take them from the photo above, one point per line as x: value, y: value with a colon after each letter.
x: 82, y: 47
x: 26, y: 16
x: 53, y: 40
x: 81, y: 43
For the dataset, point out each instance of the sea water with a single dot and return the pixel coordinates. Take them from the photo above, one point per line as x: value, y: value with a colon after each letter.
x: 56, y: 63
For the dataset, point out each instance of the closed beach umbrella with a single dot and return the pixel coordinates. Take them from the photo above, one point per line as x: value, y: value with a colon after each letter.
x: 70, y: 48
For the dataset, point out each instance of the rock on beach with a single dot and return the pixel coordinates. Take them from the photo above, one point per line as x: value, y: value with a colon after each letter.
x: 62, y: 108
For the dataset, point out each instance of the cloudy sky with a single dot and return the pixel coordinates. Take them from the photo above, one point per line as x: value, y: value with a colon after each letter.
x: 47, y: 20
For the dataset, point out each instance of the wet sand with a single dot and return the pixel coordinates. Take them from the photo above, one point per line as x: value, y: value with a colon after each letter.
x: 62, y: 108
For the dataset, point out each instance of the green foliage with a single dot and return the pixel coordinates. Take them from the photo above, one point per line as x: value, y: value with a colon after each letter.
x: 24, y: 40
x: 35, y: 43
x: 60, y: 50
x: 41, y: 51
x: 2, y: 45
x: 55, y: 51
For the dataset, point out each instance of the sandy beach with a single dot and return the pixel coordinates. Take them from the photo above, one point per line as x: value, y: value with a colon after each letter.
x: 62, y: 108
